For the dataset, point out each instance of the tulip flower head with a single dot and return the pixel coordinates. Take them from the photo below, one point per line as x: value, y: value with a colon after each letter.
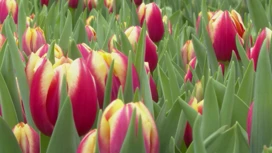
x: 90, y: 4
x: 27, y: 138
x: 223, y: 28
x: 138, y: 2
x: 151, y: 56
x: 209, y: 13
x: 44, y: 2
x: 151, y: 13
x: 88, y: 143
x: 42, y: 51
x: 189, y: 74
x: 114, y: 125
x: 73, y: 3
x: 255, y: 50
x: 187, y: 53
x: 45, y: 81
x: 90, y: 33
x: 198, y: 106
x: 110, y: 4
x: 7, y: 7
x: 33, y: 39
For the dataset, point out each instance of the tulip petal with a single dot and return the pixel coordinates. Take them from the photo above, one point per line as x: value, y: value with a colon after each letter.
x: 82, y: 92
x: 88, y: 143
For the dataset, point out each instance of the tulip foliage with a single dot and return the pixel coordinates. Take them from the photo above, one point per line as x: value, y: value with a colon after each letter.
x: 137, y: 76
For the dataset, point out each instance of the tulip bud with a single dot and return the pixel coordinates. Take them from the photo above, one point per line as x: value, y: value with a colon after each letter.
x: 90, y: 33
x: 167, y: 22
x: 42, y: 51
x: 2, y: 41
x: 112, y: 40
x: 255, y: 50
x: 210, y: 14
x: 45, y: 84
x: 141, y: 13
x: 133, y: 35
x: 154, y: 22
x: 138, y: 2
x: 27, y: 138
x: 90, y: 4
x: 249, y: 121
x: 187, y: 52
x: 198, y: 106
x: 90, y: 19
x: 109, y: 4
x: 88, y: 143
x: 223, y: 28
x: 33, y: 39
x: 189, y: 74
x: 199, y: 91
x: 8, y: 7
x: 73, y: 3
x: 114, y: 125
x: 44, y: 2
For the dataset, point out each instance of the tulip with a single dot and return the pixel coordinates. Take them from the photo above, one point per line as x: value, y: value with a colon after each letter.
x: 45, y: 84
x: 33, y: 39
x: 187, y: 52
x: 114, y: 125
x: 198, y: 106
x: 90, y: 4
x: 42, y: 51
x: 44, y: 2
x: 88, y: 143
x: 151, y: 56
x: 199, y: 91
x: 189, y: 74
x: 223, y: 28
x: 138, y: 2
x: 90, y: 33
x: 100, y: 69
x: 152, y: 15
x: 27, y: 138
x: 73, y: 3
x: 84, y: 49
x: 255, y: 50
x: 112, y: 40
x: 249, y: 121
x: 152, y: 84
x: 90, y: 19
x: 2, y: 40
x: 110, y: 4
x: 8, y: 7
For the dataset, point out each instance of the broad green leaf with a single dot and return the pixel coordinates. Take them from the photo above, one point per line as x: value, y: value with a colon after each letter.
x: 134, y: 143
x: 64, y: 137
x: 257, y: 14
x: 8, y: 142
x: 197, y: 136
x: 242, y: 52
x: 44, y: 141
x: 199, y: 51
x: 73, y: 51
x: 261, y: 122
x: 51, y: 53
x: 140, y: 51
x: 21, y: 22
x: 125, y: 46
x: 166, y: 88
x: 107, y: 93
x: 19, y: 68
x: 128, y: 91
x: 66, y: 33
x: 80, y: 35
x: 228, y: 101
x: 180, y: 129
x: 210, y: 111
x: 189, y: 112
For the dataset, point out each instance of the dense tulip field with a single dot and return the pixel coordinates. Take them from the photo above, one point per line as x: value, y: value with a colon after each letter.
x: 135, y: 76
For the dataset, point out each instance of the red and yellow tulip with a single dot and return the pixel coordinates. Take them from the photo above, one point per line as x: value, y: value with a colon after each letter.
x: 88, y: 143
x: 45, y: 81
x: 27, y: 138
x: 8, y: 7
x: 187, y: 53
x: 114, y: 125
x: 33, y: 39
x: 90, y: 33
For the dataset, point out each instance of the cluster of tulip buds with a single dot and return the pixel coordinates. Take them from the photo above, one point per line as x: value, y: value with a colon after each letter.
x: 114, y: 125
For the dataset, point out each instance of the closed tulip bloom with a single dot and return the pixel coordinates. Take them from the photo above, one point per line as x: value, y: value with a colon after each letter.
x: 44, y: 2
x: 209, y: 13
x: 100, y: 69
x: 109, y: 4
x: 27, y: 138
x: 90, y: 4
x: 199, y: 91
x: 255, y: 50
x: 90, y: 33
x: 197, y: 106
x: 8, y: 7
x: 154, y: 21
x: 90, y: 19
x: 114, y: 125
x: 151, y: 56
x: 45, y: 84
x: 187, y: 52
x: 88, y: 143
x: 223, y: 28
x: 42, y: 51
x: 73, y: 3
x: 138, y: 2
x: 33, y: 39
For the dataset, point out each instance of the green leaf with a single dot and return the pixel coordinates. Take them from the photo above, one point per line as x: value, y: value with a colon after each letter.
x: 64, y: 137
x: 197, y: 136
x: 134, y: 143
x: 245, y: 91
x: 73, y: 51
x: 107, y: 94
x: 228, y: 101
x: 241, y: 51
x: 261, y: 117
x: 140, y: 51
x: 166, y: 88
x: 66, y: 33
x: 8, y: 142
x: 126, y: 46
x: 80, y: 35
x: 257, y: 14
x: 44, y: 141
x: 128, y: 92
x: 210, y: 111
x: 199, y: 51
x: 51, y: 53
x: 21, y: 22
x: 189, y: 112
x: 19, y: 68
